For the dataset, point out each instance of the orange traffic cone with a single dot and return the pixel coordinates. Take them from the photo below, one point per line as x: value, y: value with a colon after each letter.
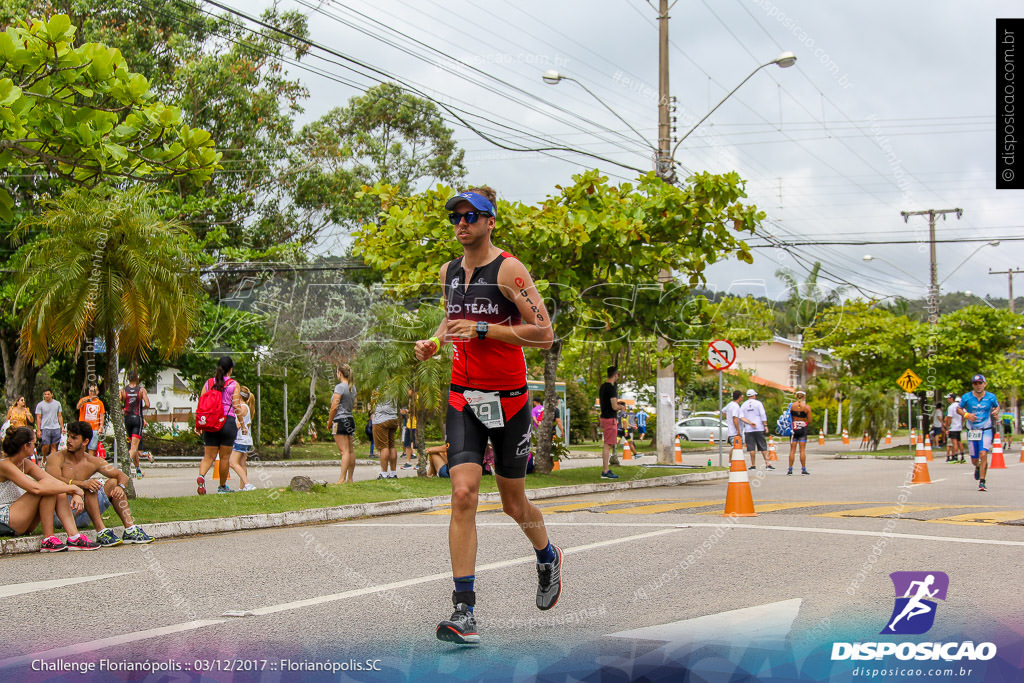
x: 888, y: 437
x: 555, y: 466
x: 913, y: 437
x: 218, y: 463
x: 928, y: 448
x: 846, y: 438
x: 679, y: 452
x: 821, y: 437
x: 711, y: 439
x: 738, y: 500
x: 1022, y: 451
x: 627, y: 452
x: 921, y: 469
x: 920, y: 452
x: 997, y: 462
x: 772, y: 454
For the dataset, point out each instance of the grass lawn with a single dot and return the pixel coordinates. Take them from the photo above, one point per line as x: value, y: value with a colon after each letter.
x: 150, y: 510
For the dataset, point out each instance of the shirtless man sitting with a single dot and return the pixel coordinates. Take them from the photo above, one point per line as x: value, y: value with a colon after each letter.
x: 74, y: 464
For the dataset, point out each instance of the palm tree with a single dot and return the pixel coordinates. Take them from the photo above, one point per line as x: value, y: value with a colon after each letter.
x: 106, y: 264
x: 387, y: 363
x: 805, y: 301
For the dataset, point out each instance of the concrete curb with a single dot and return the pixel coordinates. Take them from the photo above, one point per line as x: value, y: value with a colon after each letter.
x: 162, y: 530
x: 255, y: 462
x: 841, y: 456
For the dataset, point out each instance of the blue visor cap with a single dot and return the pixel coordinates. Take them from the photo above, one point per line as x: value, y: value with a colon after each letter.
x: 479, y: 202
x: 978, y: 378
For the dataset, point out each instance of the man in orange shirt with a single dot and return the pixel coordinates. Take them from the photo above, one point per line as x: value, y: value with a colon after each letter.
x: 90, y: 409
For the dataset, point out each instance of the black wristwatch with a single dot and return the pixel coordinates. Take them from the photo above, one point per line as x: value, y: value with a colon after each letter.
x: 481, y: 329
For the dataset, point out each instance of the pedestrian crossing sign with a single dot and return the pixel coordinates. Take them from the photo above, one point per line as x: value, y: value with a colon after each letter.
x: 909, y: 381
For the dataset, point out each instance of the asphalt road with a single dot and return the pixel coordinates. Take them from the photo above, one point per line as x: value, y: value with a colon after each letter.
x: 654, y: 580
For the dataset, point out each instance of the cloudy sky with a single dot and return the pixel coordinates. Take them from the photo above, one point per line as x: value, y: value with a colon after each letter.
x: 889, y: 108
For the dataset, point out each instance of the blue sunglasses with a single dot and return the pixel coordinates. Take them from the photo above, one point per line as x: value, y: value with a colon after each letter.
x: 470, y: 216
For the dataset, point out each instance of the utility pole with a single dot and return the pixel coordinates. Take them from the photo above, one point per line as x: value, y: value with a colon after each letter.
x: 933, y: 289
x: 1009, y: 276
x: 663, y: 166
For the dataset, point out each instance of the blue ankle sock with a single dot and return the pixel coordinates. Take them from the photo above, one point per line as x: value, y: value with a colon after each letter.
x: 465, y: 583
x: 545, y: 555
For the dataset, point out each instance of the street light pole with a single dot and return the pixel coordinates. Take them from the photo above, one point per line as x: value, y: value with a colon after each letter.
x: 933, y: 289
x: 1009, y: 273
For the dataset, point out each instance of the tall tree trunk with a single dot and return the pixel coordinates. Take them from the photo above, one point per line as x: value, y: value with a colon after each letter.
x: 542, y: 461
x: 305, y: 417
x: 421, y: 441
x: 115, y: 413
x: 19, y: 372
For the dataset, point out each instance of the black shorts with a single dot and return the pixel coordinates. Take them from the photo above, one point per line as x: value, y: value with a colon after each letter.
x: 133, y: 426
x: 409, y: 438
x: 954, y: 435
x: 1007, y: 429
x: 467, y: 436
x: 343, y: 426
x: 225, y: 436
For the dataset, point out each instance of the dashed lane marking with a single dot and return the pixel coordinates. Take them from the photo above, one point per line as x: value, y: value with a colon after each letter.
x: 892, y: 510
x: 981, y: 518
x: 664, y: 507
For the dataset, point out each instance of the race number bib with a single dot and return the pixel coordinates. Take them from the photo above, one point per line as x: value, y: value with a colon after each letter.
x: 974, y: 434
x: 799, y: 424
x: 486, y: 405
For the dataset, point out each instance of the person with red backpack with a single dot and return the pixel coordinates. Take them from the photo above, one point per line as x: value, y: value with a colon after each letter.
x: 215, y: 420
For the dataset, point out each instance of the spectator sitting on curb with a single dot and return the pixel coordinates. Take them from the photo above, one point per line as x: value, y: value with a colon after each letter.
x: 438, y: 466
x: 29, y: 496
x: 75, y: 466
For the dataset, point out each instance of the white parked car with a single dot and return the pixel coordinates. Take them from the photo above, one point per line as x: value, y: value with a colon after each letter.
x: 701, y: 428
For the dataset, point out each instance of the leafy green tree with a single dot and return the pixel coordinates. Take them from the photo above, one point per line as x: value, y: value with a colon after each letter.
x: 80, y: 113
x: 595, y: 251
x: 386, y: 136
x: 805, y: 300
x: 107, y: 264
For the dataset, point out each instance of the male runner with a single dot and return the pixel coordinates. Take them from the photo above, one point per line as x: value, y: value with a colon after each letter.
x: 979, y: 409
x: 135, y: 400
x: 76, y: 467
x: 954, y: 423
x: 492, y: 311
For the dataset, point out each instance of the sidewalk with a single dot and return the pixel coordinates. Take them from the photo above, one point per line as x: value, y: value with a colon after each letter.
x: 165, y: 530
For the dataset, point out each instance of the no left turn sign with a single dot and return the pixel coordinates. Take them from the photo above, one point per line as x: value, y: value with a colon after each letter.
x: 721, y: 354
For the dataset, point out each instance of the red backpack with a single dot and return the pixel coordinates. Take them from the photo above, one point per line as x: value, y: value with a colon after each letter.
x: 210, y: 415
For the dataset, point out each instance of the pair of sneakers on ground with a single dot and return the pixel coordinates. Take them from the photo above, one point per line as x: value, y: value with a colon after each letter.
x: 461, y: 627
x: 104, y: 539
x: 803, y: 470
x: 201, y: 487
x: 388, y: 475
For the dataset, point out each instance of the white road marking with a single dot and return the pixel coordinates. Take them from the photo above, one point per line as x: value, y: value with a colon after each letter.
x: 369, y: 590
x: 772, y: 621
x: 854, y: 532
x: 103, y: 643
x: 20, y: 588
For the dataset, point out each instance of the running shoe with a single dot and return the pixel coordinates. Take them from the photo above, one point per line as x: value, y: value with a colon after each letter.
x: 381, y: 476
x: 549, y: 581
x: 789, y: 471
x: 803, y: 470
x: 460, y: 628
x: 393, y: 475
x: 137, y: 536
x: 107, y: 538
x: 752, y: 467
x: 149, y: 454
x: 224, y: 489
x: 138, y: 474
x: 82, y: 543
x: 769, y: 467
x: 52, y: 545
x: 201, y: 485
x: 609, y: 475
x: 248, y: 487
x: 981, y: 485
x: 407, y: 466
